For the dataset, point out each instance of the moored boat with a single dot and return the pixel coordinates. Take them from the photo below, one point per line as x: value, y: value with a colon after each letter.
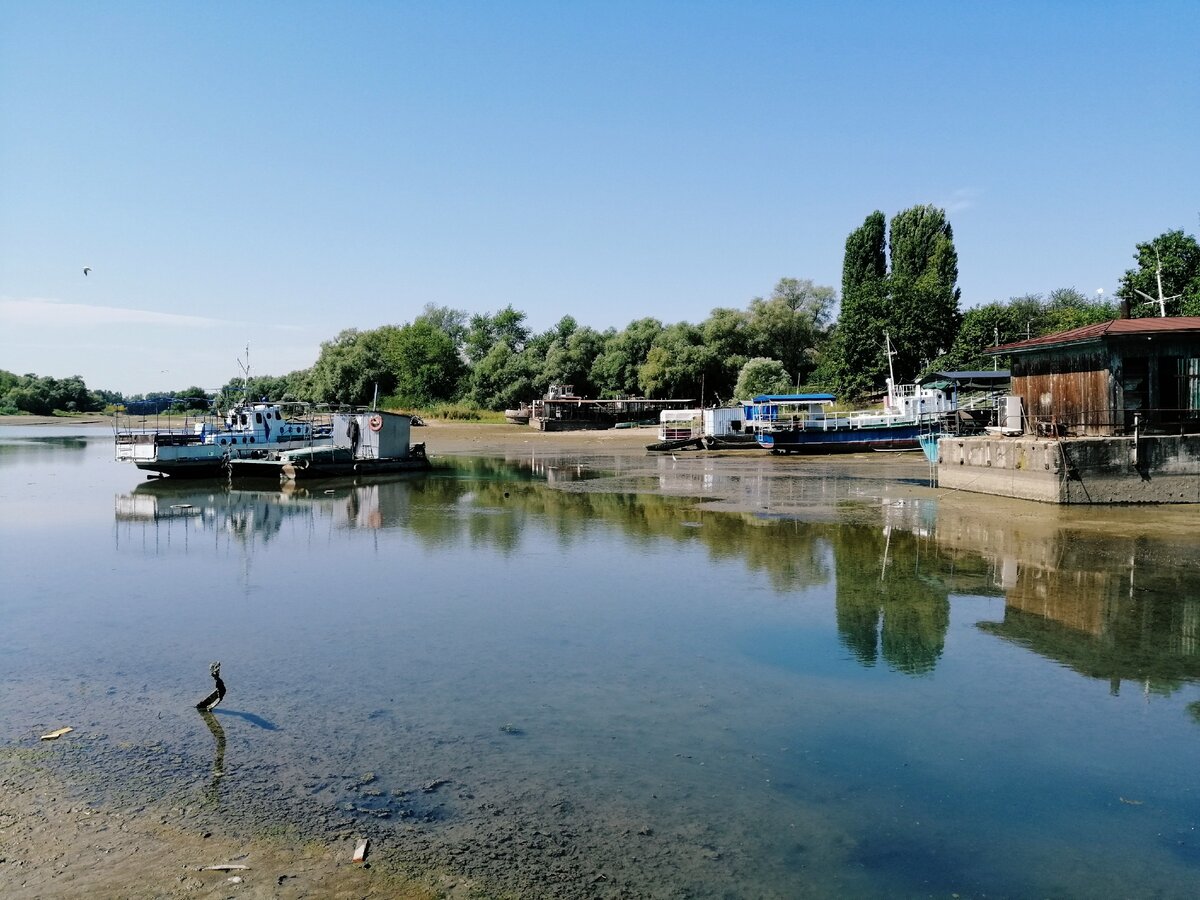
x: 362, y: 443
x: 203, y: 444
x: 715, y: 428
x: 805, y: 424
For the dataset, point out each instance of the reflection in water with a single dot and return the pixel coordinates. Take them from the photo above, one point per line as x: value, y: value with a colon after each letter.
x: 886, y: 605
x: 1108, y: 607
x: 218, y: 767
x: 27, y: 448
x: 693, y: 701
x: 1137, y: 622
x: 894, y: 565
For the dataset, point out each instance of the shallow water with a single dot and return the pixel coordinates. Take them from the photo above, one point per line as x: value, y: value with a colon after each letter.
x: 527, y: 671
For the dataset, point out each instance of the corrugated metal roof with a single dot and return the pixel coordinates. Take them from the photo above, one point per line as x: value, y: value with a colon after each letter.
x: 1103, y: 330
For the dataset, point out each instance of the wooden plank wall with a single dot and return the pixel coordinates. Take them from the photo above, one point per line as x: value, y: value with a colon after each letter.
x: 1073, y: 389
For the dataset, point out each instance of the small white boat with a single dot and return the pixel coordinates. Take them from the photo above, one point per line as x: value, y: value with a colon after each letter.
x: 202, y: 445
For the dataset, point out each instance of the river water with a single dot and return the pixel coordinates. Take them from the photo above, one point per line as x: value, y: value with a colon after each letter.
x: 535, y: 672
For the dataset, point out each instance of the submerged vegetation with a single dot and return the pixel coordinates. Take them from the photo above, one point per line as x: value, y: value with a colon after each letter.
x: 899, y: 278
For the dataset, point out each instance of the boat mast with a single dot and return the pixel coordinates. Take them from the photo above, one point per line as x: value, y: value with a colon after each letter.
x: 245, y: 367
x: 887, y: 342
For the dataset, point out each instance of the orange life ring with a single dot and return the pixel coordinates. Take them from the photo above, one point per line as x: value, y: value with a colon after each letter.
x: 375, y: 422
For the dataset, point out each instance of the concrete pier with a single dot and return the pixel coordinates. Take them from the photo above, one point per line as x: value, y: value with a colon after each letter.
x: 1147, y: 469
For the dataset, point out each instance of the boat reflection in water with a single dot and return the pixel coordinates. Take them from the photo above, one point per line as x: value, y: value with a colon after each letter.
x: 175, y: 509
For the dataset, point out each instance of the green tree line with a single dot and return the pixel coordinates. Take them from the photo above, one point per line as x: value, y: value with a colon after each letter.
x: 899, y: 278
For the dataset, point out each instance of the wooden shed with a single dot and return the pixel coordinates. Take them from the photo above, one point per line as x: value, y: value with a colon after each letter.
x: 1106, y: 378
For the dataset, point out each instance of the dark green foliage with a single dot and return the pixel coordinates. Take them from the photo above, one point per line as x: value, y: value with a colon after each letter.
x: 485, y: 332
x: 856, y: 359
x: 191, y: 398
x: 983, y: 327
x: 425, y: 363
x: 42, y: 396
x: 569, y: 356
x: 352, y: 366
x: 504, y: 377
x: 790, y: 324
x: 1178, y: 255
x: 915, y: 303
x: 727, y: 333
x: 615, y: 370
x: 762, y: 376
x: 677, y: 364
x: 922, y: 316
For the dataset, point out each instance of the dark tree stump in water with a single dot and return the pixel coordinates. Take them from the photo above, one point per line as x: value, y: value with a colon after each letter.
x: 216, y: 696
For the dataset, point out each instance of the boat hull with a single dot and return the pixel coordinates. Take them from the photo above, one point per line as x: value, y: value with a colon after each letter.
x: 843, y: 440
x: 330, y: 462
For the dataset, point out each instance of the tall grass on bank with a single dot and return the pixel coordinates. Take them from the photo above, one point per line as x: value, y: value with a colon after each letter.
x: 446, y: 412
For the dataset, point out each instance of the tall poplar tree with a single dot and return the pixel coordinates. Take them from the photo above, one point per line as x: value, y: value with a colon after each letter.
x: 922, y: 314
x: 915, y: 302
x: 857, y: 359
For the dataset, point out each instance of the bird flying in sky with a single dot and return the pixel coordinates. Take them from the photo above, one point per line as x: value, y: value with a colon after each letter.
x: 87, y: 270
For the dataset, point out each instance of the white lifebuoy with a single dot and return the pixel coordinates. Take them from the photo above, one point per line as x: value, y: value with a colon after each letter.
x: 375, y: 422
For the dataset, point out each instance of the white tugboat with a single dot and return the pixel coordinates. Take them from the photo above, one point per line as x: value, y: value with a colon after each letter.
x: 202, y: 445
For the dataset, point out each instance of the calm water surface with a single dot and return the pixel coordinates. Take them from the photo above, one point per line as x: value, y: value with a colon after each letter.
x: 525, y: 670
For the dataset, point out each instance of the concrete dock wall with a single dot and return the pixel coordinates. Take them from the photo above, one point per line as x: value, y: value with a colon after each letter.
x: 1158, y: 469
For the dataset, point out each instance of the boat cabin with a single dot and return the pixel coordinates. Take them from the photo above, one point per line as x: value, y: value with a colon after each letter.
x: 692, y: 424
x: 768, y: 410
x: 254, y: 423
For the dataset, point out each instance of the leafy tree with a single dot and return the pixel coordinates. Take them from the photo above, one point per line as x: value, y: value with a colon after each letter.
x: 42, y: 396
x: 424, y: 362
x: 570, y: 356
x: 983, y: 327
x: 790, y: 323
x: 916, y: 302
x: 615, y: 371
x: 856, y: 360
x: 923, y: 315
x: 485, y: 332
x: 677, y: 364
x: 269, y: 387
x: 1178, y: 255
x: 503, y: 378
x: 761, y: 375
x: 453, y: 322
x: 352, y: 365
x: 189, y: 398
x: 1069, y: 308
x: 726, y: 332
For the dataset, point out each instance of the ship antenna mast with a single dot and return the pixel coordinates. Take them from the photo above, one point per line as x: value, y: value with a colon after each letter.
x: 1161, y: 301
x: 245, y: 367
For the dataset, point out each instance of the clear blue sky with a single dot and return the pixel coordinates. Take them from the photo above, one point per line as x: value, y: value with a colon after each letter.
x: 273, y: 173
